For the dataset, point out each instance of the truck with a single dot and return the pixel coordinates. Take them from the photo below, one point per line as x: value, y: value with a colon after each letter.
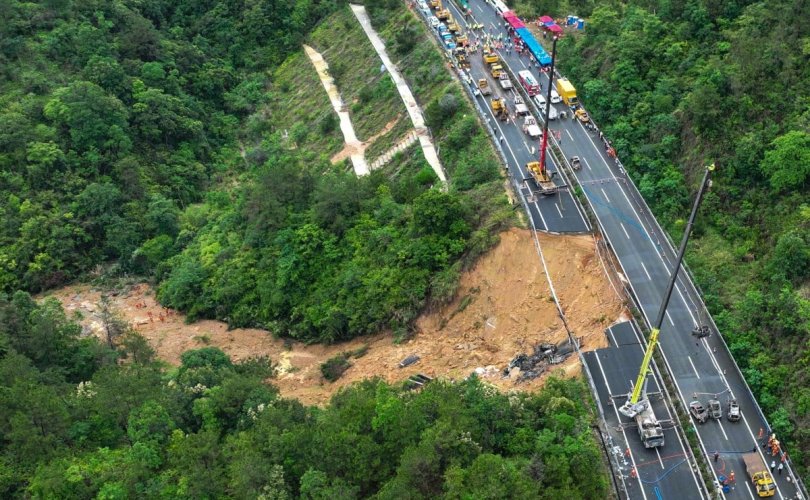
x: 443, y: 14
x: 505, y: 82
x: 499, y: 109
x: 452, y: 25
x: 758, y: 474
x: 529, y: 83
x: 530, y: 127
x: 542, y: 177
x: 567, y: 92
x: 520, y: 106
x: 489, y: 56
x: 649, y: 428
x: 483, y: 86
x: 496, y: 70
x: 552, y: 113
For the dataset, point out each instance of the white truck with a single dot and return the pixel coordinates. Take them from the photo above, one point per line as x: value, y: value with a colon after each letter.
x: 530, y: 127
x: 520, y: 107
x: 505, y: 82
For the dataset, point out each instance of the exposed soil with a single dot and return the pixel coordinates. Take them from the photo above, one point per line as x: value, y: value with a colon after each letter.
x: 503, y: 307
x: 355, y: 149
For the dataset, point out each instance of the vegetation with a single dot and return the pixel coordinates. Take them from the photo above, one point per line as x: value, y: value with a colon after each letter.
x: 677, y: 85
x: 74, y: 423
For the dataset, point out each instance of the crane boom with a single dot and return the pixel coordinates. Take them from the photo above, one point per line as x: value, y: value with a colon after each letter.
x: 632, y: 407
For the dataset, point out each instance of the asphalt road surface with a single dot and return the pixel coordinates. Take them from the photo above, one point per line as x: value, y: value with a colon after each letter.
x: 701, y: 368
x: 663, y: 472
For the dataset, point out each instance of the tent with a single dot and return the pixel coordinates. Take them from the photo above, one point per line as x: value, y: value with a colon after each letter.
x: 545, y: 19
x: 555, y: 29
x: 513, y: 20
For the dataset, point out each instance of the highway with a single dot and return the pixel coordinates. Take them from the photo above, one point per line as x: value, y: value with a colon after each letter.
x: 701, y: 368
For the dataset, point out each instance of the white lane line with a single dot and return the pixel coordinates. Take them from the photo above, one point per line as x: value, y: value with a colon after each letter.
x: 569, y: 135
x: 618, y: 419
x: 587, y: 164
x: 523, y: 64
x: 606, y: 196
x: 721, y: 428
x: 693, y: 367
x: 659, y: 457
x: 646, y: 272
x: 625, y: 230
x: 558, y: 210
x: 610, y: 332
x: 670, y: 319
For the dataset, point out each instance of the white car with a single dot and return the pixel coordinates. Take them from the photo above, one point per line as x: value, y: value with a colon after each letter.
x: 540, y: 100
x: 555, y: 97
x: 434, y: 22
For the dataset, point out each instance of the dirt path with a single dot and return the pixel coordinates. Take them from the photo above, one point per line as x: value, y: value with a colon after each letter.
x: 354, y: 147
x: 411, y: 105
x: 503, y: 308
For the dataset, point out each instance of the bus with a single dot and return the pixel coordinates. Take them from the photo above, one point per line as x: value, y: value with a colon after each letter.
x: 529, y: 83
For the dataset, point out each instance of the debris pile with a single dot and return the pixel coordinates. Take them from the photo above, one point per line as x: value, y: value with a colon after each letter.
x: 528, y: 367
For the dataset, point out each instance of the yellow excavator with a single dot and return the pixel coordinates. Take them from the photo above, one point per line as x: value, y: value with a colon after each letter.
x: 638, y: 406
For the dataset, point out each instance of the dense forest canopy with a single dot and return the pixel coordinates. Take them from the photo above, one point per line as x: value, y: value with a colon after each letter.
x: 676, y: 85
x: 74, y: 423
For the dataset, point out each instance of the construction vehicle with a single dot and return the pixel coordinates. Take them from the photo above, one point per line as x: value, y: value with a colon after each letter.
x: 443, y: 14
x: 520, y: 106
x: 530, y: 127
x: 499, y: 109
x: 461, y: 58
x: 452, y: 25
x: 462, y: 40
x: 436, y: 4
x: 496, y: 70
x: 489, y: 56
x: 758, y: 474
x: 715, y: 410
x: 542, y: 177
x: 638, y: 406
x: 649, y: 428
x: 504, y: 80
x: 483, y: 86
x: 567, y: 92
x: 698, y: 411
x: 733, y: 411
x: 582, y: 116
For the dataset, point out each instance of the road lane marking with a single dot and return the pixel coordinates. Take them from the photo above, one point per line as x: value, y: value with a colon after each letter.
x: 721, y: 428
x: 670, y: 319
x: 569, y: 134
x: 646, y: 272
x: 618, y: 419
x: 625, y: 230
x: 693, y: 367
x: 558, y: 210
x: 586, y: 163
x: 659, y: 457
x: 606, y: 197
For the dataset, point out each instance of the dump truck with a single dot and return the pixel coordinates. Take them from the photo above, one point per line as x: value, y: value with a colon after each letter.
x: 542, y: 177
x: 489, y: 56
x: 496, y: 70
x: 443, y: 14
x: 530, y: 127
x: 520, y: 106
x: 483, y: 86
x: 758, y: 474
x: 505, y: 82
x: 452, y: 25
x: 567, y: 92
x: 436, y: 4
x: 499, y: 109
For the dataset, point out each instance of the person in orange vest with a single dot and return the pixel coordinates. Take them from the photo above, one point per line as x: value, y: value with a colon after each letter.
x: 761, y: 433
x: 633, y: 473
x: 627, y: 452
x: 731, y: 477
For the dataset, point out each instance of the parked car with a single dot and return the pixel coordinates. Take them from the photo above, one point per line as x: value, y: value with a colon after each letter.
x: 715, y: 410
x: 540, y: 100
x: 698, y: 411
x: 733, y: 412
x: 555, y: 97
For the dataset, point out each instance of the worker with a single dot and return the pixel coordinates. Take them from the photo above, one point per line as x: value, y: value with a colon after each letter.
x: 627, y: 452
x: 731, y: 477
x: 633, y: 473
x: 716, y: 456
x: 761, y: 433
x: 781, y: 466
x: 773, y: 465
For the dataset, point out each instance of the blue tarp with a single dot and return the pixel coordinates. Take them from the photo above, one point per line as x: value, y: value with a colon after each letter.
x: 534, y: 46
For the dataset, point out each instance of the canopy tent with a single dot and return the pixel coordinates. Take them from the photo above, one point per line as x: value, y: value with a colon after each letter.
x: 554, y: 28
x: 545, y: 19
x: 513, y: 20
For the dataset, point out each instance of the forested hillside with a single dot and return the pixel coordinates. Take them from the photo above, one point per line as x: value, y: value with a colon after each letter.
x: 676, y: 85
x: 190, y: 142
x: 76, y: 424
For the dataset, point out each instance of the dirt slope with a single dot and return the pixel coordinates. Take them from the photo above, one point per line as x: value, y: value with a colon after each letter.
x: 504, y: 307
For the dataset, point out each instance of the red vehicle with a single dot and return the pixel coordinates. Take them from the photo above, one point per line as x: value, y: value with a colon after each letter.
x: 529, y: 83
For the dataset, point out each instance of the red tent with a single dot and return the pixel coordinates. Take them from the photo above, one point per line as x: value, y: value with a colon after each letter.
x: 545, y: 19
x: 554, y: 28
x: 513, y: 20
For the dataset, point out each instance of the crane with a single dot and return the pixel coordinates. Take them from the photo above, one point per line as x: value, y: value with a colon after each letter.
x: 637, y: 404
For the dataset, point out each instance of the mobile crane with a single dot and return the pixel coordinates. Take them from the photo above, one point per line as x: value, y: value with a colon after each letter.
x: 638, y: 406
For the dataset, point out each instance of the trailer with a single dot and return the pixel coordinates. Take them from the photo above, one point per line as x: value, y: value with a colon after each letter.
x: 758, y: 474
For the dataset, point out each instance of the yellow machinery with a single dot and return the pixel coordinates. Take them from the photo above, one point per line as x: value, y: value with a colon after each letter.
x: 637, y: 403
x: 496, y: 70
x: 582, y: 115
x: 489, y: 56
x: 443, y: 14
x: 542, y: 177
x: 499, y: 108
x: 452, y: 25
x: 759, y: 475
x: 483, y: 86
x: 436, y: 4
